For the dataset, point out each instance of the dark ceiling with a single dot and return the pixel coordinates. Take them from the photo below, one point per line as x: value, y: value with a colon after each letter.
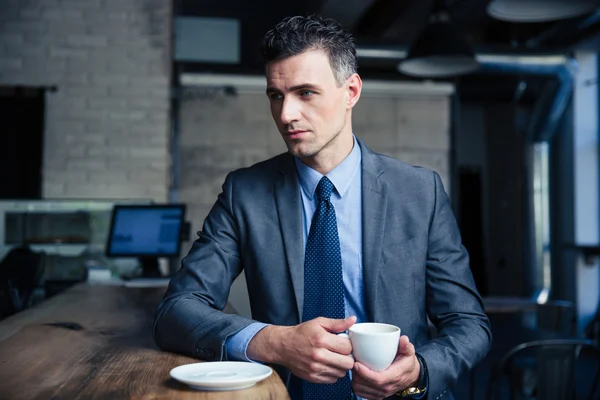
x: 395, y: 21
x: 391, y: 23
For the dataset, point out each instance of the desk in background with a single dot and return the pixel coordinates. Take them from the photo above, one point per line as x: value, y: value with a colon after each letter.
x: 95, y: 342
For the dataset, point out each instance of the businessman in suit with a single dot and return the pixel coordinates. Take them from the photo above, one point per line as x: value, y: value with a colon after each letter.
x: 329, y: 233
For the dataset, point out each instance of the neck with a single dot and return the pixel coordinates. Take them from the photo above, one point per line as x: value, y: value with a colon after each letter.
x: 333, y: 154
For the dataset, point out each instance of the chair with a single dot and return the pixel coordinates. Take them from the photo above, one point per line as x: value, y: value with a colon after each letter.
x: 20, y: 273
x: 555, y: 319
x: 553, y: 377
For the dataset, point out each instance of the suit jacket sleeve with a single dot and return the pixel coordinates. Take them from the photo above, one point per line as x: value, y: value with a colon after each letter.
x: 189, y: 319
x: 453, y: 303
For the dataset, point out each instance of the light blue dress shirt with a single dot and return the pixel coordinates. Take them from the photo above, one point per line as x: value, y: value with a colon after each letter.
x: 347, y: 201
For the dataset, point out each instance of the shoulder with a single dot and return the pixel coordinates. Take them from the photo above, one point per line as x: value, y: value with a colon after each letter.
x: 416, y: 172
x: 262, y: 173
x: 396, y: 172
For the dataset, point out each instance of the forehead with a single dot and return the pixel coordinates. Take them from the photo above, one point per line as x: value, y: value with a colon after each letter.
x: 310, y: 66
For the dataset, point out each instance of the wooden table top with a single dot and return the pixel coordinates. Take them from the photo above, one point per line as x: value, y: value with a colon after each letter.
x: 95, y: 342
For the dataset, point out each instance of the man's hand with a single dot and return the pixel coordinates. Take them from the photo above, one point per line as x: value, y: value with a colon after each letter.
x: 402, y: 373
x: 311, y: 350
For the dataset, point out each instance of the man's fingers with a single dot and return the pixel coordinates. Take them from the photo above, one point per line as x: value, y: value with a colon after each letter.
x: 332, y: 360
x: 365, y: 391
x: 371, y: 384
x: 326, y: 375
x: 379, y: 379
x: 326, y: 363
x: 367, y: 376
x: 336, y: 325
x: 324, y: 378
x: 339, y: 345
x: 375, y: 386
x: 331, y: 341
x: 405, y: 347
x: 359, y: 379
x: 340, y: 361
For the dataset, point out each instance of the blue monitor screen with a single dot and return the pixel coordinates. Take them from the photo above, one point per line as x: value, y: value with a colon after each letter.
x: 145, y: 231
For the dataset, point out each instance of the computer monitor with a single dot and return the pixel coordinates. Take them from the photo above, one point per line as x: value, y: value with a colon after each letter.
x: 146, y: 232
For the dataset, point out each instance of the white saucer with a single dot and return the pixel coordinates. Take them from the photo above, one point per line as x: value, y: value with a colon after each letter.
x: 221, y: 375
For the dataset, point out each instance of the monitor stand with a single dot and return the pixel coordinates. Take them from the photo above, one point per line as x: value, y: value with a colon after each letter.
x: 150, y: 267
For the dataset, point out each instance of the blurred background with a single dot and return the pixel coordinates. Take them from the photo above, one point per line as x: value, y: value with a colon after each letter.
x: 151, y: 102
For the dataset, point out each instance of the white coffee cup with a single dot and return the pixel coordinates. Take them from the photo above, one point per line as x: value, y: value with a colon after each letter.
x: 374, y: 344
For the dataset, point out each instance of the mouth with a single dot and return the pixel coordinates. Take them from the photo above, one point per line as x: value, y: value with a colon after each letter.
x: 296, y: 134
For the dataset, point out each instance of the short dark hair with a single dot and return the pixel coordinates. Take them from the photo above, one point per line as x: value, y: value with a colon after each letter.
x: 296, y: 35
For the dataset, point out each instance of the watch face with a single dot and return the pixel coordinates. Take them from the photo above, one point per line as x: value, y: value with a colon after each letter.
x: 410, y: 391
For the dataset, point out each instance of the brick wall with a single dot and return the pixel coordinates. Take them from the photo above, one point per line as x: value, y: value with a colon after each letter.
x: 107, y: 126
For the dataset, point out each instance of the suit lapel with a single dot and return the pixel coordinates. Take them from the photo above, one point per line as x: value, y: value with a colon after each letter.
x: 289, y: 210
x: 374, y: 203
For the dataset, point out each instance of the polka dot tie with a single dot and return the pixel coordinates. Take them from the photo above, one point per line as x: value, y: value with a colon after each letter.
x: 323, y: 284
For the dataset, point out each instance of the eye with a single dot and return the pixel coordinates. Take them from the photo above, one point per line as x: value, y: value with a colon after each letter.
x: 275, y: 96
x: 306, y: 93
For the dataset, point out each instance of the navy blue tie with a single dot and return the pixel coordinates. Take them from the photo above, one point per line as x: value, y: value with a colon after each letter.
x: 323, y: 284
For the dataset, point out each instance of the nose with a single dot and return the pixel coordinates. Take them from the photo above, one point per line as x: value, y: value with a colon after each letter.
x: 290, y: 111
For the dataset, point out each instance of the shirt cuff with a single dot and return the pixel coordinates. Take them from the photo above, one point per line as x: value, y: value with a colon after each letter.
x: 237, y: 344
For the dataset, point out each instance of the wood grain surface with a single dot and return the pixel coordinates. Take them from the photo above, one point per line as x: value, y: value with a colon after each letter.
x: 95, y: 342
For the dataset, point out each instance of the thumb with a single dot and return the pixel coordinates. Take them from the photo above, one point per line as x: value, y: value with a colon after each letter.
x: 405, y: 347
x: 337, y: 325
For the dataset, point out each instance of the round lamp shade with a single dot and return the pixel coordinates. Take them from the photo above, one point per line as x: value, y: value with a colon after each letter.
x: 440, y: 51
x: 438, y: 66
x: 539, y: 10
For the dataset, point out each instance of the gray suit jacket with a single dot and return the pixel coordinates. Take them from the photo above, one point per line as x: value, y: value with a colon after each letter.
x: 414, y: 266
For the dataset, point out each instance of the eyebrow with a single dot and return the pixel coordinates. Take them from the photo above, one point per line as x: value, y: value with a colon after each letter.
x: 294, y: 88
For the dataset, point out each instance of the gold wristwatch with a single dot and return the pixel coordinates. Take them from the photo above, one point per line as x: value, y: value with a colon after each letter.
x: 410, y: 391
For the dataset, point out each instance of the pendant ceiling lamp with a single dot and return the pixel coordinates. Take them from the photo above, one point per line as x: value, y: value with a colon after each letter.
x: 539, y: 10
x: 440, y: 51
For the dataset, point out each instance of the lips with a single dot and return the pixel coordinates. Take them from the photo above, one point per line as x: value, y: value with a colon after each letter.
x: 296, y: 134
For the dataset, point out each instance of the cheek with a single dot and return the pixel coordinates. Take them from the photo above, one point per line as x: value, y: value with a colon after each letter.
x: 319, y: 113
x: 332, y: 116
x: 332, y: 109
x: 275, y: 112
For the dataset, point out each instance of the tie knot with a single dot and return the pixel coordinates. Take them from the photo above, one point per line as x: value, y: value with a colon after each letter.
x: 324, y: 189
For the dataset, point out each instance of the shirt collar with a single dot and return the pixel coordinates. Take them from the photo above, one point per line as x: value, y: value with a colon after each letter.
x: 341, y: 176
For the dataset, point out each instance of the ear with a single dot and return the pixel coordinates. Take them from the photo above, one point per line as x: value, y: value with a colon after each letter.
x: 353, y: 90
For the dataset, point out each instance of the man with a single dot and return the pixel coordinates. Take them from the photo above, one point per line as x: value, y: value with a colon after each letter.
x: 329, y: 233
